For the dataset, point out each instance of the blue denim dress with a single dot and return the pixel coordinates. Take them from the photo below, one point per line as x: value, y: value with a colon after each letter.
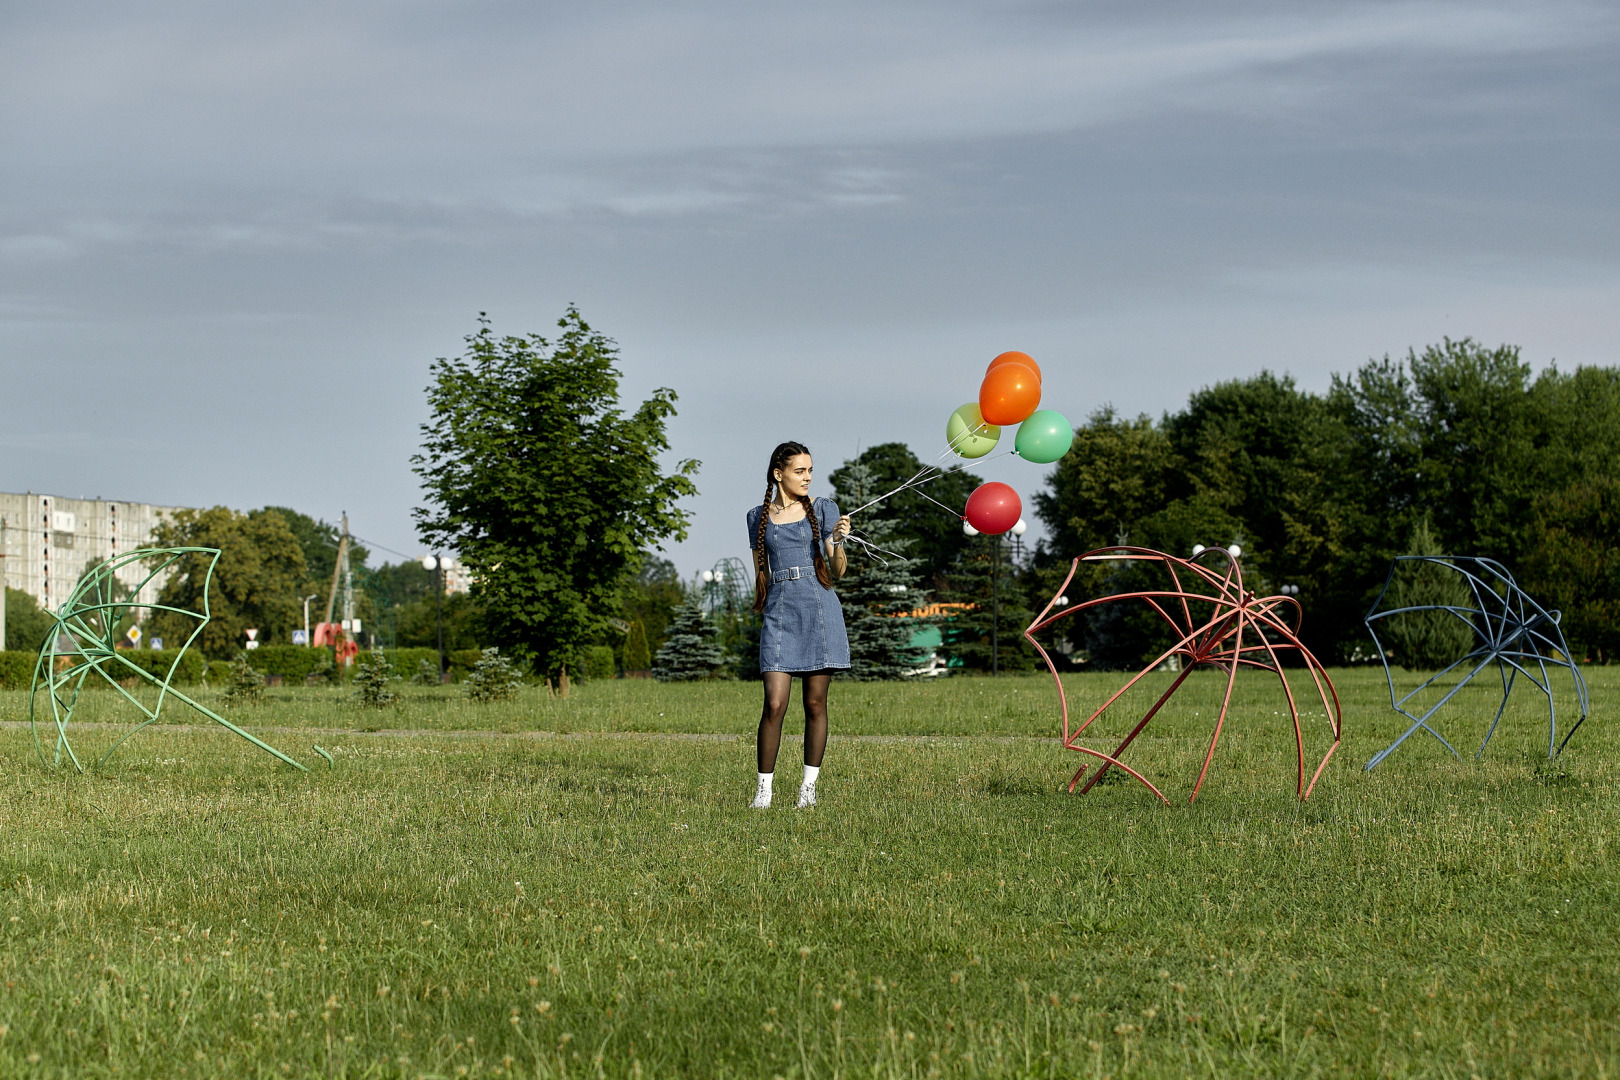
x: 803, y: 628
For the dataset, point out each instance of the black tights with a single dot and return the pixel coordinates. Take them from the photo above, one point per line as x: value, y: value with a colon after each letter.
x: 777, y: 686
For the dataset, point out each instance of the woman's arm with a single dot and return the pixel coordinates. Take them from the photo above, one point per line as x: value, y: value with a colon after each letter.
x: 837, y: 561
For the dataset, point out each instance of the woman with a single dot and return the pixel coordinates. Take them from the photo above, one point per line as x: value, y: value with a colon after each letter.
x: 796, y: 559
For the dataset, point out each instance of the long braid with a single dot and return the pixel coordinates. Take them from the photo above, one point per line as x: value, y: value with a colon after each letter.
x: 815, y: 548
x: 762, y: 563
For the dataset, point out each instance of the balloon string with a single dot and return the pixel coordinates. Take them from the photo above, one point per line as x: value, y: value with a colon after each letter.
x: 920, y: 479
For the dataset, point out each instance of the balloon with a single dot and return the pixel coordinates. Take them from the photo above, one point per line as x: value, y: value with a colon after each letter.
x: 1009, y: 394
x: 968, y: 435
x: 994, y: 508
x: 1044, y: 437
x: 1015, y: 358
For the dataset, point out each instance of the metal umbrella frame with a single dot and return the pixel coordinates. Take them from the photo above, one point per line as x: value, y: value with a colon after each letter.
x: 1510, y: 629
x: 87, y: 622
x: 1216, y: 641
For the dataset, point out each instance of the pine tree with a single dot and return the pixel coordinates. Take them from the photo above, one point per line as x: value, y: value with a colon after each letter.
x: 245, y: 686
x: 371, y: 678
x: 637, y: 657
x: 967, y: 632
x: 877, y: 593
x: 692, y: 651
x: 495, y: 678
x: 1426, y: 640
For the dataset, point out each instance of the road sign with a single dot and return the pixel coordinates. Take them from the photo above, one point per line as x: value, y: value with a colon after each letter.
x: 252, y: 633
x: 134, y: 635
x: 300, y: 637
x: 154, y: 643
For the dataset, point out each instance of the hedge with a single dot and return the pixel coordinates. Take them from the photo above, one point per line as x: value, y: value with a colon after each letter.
x: 292, y: 662
x: 405, y: 661
x: 157, y: 661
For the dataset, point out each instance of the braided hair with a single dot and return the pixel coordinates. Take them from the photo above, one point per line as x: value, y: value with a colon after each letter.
x: 762, y: 564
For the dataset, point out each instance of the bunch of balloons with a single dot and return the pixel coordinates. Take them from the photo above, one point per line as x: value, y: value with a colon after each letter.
x: 1010, y: 394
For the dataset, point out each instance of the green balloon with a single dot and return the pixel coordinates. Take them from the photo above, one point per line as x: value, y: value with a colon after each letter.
x: 1044, y: 437
x: 968, y: 435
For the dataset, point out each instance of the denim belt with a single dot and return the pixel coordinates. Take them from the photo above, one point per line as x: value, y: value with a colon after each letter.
x: 788, y: 573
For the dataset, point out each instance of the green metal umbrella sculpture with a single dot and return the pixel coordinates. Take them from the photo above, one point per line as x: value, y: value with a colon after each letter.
x: 83, y: 642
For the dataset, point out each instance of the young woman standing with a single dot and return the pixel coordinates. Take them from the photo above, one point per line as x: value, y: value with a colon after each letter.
x: 796, y: 559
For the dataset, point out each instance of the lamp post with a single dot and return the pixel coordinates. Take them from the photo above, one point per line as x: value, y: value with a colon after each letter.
x: 312, y: 596
x: 436, y: 567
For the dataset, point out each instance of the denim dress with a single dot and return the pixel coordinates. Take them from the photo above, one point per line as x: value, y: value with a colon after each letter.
x: 803, y: 627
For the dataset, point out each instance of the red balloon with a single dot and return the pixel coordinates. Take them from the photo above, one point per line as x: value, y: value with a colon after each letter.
x: 994, y: 508
x: 1009, y: 394
x: 1015, y: 358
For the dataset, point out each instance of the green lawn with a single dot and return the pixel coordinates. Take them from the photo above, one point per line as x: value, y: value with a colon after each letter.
x: 575, y: 888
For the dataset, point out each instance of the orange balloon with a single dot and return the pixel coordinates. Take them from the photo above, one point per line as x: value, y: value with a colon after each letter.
x: 1009, y: 394
x: 1015, y: 358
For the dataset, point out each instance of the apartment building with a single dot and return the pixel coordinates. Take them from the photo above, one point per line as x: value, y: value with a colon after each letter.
x: 48, y: 541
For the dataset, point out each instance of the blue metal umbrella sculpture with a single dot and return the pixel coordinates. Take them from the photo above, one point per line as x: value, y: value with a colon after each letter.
x: 1510, y: 630
x: 83, y: 642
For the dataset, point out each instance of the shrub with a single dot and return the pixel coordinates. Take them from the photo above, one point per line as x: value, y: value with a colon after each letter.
x: 243, y: 685
x: 427, y: 673
x: 291, y: 662
x: 410, y: 659
x: 371, y: 678
x: 17, y: 669
x: 493, y: 678
x: 156, y: 662
x: 692, y: 651
x: 596, y: 662
x: 462, y: 662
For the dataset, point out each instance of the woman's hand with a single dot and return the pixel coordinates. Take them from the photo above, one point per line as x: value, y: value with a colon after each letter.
x: 835, y: 547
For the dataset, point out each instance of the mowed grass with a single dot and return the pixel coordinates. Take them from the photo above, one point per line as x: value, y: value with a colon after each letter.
x: 575, y: 888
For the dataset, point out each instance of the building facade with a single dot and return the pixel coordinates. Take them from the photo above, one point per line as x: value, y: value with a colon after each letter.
x: 49, y: 541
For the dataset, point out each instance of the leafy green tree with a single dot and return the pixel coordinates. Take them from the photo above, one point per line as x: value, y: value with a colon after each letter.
x: 27, y: 624
x: 651, y: 597
x: 319, y: 542
x: 693, y: 650
x: 1573, y: 565
x: 416, y: 624
x: 547, y: 490
x: 877, y: 592
x: 255, y: 584
x: 935, y: 537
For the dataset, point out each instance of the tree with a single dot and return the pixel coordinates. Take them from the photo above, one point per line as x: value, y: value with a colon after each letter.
x: 985, y: 580
x: 373, y: 677
x: 637, y: 656
x: 877, y: 592
x: 547, y: 490
x: 936, y: 538
x: 493, y: 678
x: 27, y: 624
x: 1426, y: 640
x: 254, y: 585
x: 319, y: 542
x: 651, y: 597
x: 692, y: 651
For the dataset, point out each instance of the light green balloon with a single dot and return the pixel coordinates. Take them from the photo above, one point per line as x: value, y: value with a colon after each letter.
x: 968, y: 435
x: 1044, y: 437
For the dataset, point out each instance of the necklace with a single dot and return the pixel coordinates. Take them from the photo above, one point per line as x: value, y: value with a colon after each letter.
x: 778, y: 511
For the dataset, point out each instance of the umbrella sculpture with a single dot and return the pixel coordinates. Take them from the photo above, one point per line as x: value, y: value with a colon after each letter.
x: 83, y: 642
x: 1509, y: 629
x: 1240, y: 629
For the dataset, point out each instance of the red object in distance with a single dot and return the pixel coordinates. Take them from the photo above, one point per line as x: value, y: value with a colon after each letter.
x: 1015, y: 358
x: 994, y: 508
x: 1216, y: 624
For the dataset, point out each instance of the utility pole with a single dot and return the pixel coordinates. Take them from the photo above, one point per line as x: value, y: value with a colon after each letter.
x: 339, y: 569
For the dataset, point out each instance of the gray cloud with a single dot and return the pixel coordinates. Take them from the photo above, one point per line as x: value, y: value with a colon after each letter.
x: 231, y: 239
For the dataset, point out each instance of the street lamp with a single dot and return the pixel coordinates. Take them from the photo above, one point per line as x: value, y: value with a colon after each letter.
x: 432, y: 564
x: 307, y: 639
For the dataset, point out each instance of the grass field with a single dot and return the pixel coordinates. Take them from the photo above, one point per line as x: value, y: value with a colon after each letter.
x: 575, y: 888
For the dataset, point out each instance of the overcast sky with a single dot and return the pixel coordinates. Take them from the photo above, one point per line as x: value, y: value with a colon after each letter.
x: 234, y: 237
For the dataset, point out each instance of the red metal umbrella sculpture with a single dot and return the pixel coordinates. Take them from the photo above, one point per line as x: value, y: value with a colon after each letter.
x: 1242, y: 630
